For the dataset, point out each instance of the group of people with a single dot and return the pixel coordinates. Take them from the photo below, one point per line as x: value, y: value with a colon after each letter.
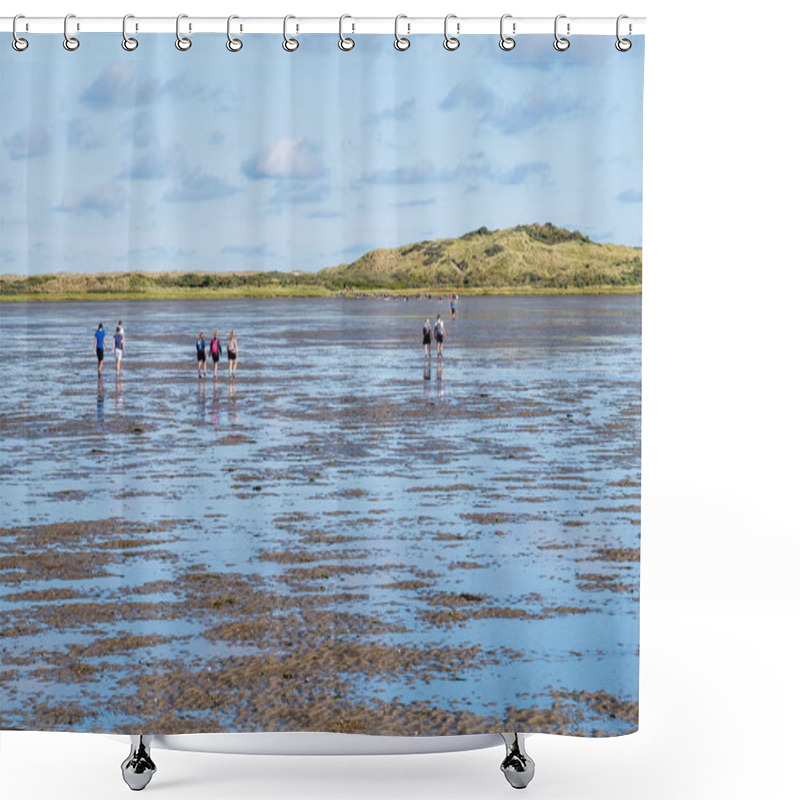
x: 118, y: 344
x: 439, y: 335
x: 213, y: 349
x: 214, y: 352
x: 358, y: 294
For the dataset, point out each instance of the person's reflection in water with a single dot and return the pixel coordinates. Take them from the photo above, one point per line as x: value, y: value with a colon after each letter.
x: 101, y: 396
x: 426, y: 379
x: 201, y: 401
x: 119, y: 395
x: 233, y: 408
x: 215, y: 405
x: 440, y: 379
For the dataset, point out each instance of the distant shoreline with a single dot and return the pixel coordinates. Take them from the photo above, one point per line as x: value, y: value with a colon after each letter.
x: 219, y: 293
x: 524, y: 260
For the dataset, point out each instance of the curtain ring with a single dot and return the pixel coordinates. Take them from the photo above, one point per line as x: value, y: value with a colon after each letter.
x: 506, y: 42
x: 345, y: 43
x: 128, y: 42
x: 451, y: 42
x: 289, y: 44
x: 623, y: 45
x: 70, y: 42
x: 400, y: 42
x: 233, y: 44
x: 561, y: 43
x: 18, y: 43
x: 181, y: 42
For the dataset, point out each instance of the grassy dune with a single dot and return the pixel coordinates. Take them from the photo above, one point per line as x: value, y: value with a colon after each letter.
x: 527, y: 256
x: 540, y: 259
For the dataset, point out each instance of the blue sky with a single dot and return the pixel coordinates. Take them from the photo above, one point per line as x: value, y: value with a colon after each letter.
x: 159, y: 159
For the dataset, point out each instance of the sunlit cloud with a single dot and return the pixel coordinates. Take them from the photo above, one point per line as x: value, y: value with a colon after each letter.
x: 284, y: 158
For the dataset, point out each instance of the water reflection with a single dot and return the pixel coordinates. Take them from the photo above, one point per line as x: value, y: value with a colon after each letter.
x: 119, y: 395
x: 233, y: 408
x: 201, y: 401
x: 299, y: 434
x: 215, y: 405
x: 100, y: 401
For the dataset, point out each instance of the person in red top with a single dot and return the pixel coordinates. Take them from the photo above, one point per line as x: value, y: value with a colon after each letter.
x: 215, y: 348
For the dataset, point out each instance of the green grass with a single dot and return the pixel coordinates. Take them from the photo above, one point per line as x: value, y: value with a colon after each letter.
x: 526, y: 259
x: 218, y: 294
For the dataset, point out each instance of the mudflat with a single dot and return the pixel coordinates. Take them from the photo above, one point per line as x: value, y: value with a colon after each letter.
x: 345, y: 537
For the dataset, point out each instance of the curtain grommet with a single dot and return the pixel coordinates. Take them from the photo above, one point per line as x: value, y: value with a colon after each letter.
x: 345, y: 42
x: 70, y: 43
x: 183, y: 43
x: 233, y: 44
x: 451, y: 43
x: 289, y: 44
x: 623, y: 45
x: 129, y: 43
x: 507, y: 42
x: 561, y: 43
x: 401, y: 43
x: 17, y: 42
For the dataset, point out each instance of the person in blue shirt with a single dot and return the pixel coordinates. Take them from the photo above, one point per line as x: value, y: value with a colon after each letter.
x: 200, y: 346
x: 99, y: 345
x: 119, y: 348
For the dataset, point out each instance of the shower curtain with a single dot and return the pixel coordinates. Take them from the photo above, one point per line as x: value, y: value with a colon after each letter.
x: 321, y: 378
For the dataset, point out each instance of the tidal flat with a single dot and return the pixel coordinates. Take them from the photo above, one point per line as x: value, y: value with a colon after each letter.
x: 345, y: 537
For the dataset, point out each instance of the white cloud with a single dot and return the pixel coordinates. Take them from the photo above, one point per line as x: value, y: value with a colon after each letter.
x: 284, y: 158
x: 106, y: 199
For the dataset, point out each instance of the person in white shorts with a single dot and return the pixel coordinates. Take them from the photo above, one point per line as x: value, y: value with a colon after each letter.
x: 119, y: 348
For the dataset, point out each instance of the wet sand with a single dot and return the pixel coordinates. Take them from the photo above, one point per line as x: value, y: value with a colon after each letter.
x: 303, y: 659
x: 338, y: 540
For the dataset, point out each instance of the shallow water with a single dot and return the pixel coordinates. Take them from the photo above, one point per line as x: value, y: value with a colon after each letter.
x: 508, y: 470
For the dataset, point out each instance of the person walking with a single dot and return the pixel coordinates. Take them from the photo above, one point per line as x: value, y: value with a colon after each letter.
x: 200, y: 346
x: 119, y: 348
x: 214, y: 348
x: 233, y: 354
x: 99, y: 347
x: 453, y: 298
x: 426, y: 337
x: 440, y: 335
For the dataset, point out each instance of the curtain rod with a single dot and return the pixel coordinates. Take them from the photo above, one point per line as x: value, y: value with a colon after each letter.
x: 407, y: 25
